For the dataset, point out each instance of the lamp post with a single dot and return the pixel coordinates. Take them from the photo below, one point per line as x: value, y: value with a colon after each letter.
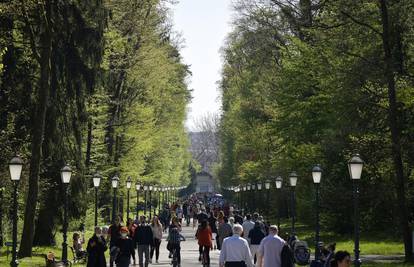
x: 159, y: 200
x: 355, y: 165
x: 253, y: 197
x: 150, y: 201
x: 128, y: 185
x: 249, y: 203
x: 66, y: 173
x: 293, y: 179
x: 278, y: 183
x: 267, y: 187
x: 317, y: 175
x: 115, y: 181
x: 96, y: 182
x: 145, y: 199
x: 137, y: 187
x: 15, y: 168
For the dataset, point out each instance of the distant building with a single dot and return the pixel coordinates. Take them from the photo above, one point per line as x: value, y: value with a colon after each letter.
x: 204, y: 182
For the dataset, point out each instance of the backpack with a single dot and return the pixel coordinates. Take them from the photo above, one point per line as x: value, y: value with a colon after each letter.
x: 301, y: 252
x: 286, y: 257
x: 174, y: 236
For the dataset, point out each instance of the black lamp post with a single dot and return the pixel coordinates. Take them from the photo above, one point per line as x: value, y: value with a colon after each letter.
x: 355, y: 165
x: 66, y: 173
x: 267, y: 187
x: 249, y: 206
x: 145, y: 199
x: 278, y: 183
x: 137, y: 187
x: 115, y: 181
x: 159, y: 200
x: 253, y: 188
x: 317, y: 175
x: 96, y: 182
x: 150, y: 201
x: 128, y: 185
x: 15, y: 167
x: 293, y: 179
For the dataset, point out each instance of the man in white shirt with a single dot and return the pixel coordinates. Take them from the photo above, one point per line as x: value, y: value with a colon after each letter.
x: 270, y: 249
x: 235, y: 251
x: 248, y: 225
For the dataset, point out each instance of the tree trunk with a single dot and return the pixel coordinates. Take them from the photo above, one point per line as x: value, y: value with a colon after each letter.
x: 395, y: 133
x: 37, y: 139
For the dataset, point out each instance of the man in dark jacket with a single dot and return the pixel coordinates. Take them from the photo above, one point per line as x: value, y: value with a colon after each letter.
x: 96, y: 249
x: 237, y: 218
x: 144, y: 238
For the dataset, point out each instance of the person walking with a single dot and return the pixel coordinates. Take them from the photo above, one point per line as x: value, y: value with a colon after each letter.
x: 131, y: 228
x: 238, y: 218
x: 248, y: 225
x: 125, y: 249
x: 204, y: 237
x: 235, y: 251
x: 224, y: 230
x: 113, y: 235
x: 212, y: 221
x: 255, y: 235
x: 156, y: 228
x: 144, y: 238
x: 96, y: 249
x: 270, y: 249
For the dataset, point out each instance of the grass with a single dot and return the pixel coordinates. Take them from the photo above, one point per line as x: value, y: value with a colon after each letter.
x: 370, y: 244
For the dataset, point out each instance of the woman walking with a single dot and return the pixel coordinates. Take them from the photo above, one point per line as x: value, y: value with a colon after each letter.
x: 204, y: 236
x: 156, y: 228
x: 125, y: 249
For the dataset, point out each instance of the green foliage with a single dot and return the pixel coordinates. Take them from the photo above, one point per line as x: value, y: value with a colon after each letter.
x: 297, y: 94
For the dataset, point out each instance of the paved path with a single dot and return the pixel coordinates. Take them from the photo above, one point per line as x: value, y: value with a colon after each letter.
x: 189, y: 252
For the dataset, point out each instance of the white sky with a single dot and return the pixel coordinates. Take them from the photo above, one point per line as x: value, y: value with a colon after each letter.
x: 203, y: 24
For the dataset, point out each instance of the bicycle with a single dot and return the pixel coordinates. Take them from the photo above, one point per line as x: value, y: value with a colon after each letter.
x: 174, y: 261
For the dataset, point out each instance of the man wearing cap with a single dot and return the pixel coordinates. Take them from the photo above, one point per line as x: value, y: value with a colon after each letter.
x: 270, y: 249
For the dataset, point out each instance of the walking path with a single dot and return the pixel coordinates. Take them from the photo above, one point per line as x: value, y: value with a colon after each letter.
x: 189, y: 251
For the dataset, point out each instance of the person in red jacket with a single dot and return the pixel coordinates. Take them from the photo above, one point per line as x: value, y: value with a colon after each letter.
x: 204, y: 236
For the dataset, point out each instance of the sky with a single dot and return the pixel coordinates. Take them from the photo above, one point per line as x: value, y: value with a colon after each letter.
x: 203, y: 25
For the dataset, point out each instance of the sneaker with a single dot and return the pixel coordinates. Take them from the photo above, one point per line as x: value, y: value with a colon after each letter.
x: 150, y: 261
x: 199, y: 258
x: 156, y: 261
x: 170, y: 255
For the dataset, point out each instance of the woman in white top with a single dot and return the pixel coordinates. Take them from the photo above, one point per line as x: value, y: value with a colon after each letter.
x: 156, y: 227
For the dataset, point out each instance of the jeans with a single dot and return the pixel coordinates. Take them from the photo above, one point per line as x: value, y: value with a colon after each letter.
x: 143, y: 249
x: 156, y: 247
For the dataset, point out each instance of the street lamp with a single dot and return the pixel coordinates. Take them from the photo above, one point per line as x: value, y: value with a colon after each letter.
x: 114, y: 181
x: 259, y: 186
x: 293, y: 179
x: 128, y: 185
x: 145, y: 199
x: 355, y: 165
x: 137, y: 187
x: 96, y: 182
x: 267, y: 187
x: 15, y: 168
x: 317, y: 175
x: 65, y: 174
x: 150, y: 201
x: 278, y: 184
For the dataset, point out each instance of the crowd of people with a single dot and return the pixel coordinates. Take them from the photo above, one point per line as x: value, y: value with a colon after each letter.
x: 244, y: 240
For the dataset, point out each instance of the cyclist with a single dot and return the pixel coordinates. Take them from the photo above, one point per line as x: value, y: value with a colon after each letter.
x: 174, y: 238
x: 204, y: 236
